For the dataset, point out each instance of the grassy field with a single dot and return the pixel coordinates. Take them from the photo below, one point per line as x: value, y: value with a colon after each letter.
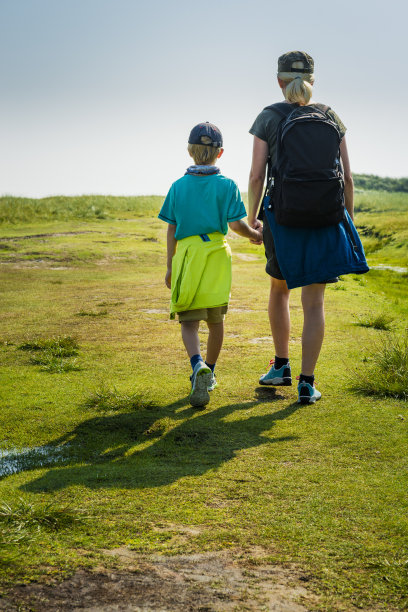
x: 100, y: 448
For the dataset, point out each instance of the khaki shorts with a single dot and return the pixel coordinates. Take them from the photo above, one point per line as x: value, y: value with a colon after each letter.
x: 211, y: 315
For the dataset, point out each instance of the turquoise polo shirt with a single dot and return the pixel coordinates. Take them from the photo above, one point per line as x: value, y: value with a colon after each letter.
x: 202, y: 204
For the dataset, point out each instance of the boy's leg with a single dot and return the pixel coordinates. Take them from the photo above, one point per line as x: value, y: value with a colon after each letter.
x: 214, y: 345
x: 215, y: 340
x: 189, y: 334
x: 201, y: 377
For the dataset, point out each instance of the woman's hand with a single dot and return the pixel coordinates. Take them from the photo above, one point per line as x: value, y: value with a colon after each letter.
x: 167, y: 279
x: 255, y: 224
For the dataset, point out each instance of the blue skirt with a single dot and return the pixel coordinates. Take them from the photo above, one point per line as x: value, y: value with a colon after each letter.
x: 307, y: 255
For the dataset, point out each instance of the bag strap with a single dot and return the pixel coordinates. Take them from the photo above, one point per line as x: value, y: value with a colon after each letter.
x: 283, y: 109
x: 323, y: 107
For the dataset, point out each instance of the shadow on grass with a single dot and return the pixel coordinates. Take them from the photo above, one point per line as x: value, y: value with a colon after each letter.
x: 150, y: 449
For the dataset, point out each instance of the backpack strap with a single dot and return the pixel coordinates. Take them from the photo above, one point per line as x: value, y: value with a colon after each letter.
x: 283, y: 109
x: 323, y: 107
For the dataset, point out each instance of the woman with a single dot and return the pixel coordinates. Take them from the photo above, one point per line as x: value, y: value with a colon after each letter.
x: 295, y: 78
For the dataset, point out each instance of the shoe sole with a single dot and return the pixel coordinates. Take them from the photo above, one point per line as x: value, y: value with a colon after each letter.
x: 277, y: 382
x: 199, y: 396
x: 307, y: 400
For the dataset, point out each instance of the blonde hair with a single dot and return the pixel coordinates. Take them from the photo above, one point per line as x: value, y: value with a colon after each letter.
x: 203, y: 155
x: 299, y: 86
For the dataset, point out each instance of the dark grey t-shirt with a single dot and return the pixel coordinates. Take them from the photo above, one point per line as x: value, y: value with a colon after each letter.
x: 266, y: 124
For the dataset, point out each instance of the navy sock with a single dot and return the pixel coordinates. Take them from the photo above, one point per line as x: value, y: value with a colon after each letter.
x: 211, y: 366
x: 195, y: 359
x: 306, y: 379
x: 280, y: 361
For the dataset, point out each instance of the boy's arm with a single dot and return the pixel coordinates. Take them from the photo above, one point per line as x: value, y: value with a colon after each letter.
x: 242, y: 229
x: 171, y: 249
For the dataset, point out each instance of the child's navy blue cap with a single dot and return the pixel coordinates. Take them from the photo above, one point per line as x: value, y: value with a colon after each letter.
x: 204, y: 131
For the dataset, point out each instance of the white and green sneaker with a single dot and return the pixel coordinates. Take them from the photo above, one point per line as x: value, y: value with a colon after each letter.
x: 213, y: 382
x: 200, y: 382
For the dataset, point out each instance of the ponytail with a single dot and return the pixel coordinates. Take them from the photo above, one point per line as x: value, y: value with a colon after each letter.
x: 299, y: 88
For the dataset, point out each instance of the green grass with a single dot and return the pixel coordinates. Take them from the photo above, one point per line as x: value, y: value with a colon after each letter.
x: 25, y: 515
x: 113, y: 400
x: 322, y: 487
x: 382, y: 223
x: 26, y: 210
x: 377, y: 321
x: 386, y: 372
x: 97, y: 313
x: 53, y: 354
x: 63, y: 346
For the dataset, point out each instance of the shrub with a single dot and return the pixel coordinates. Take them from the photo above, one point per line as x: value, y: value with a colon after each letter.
x: 61, y: 346
x: 381, y: 321
x: 385, y: 372
x: 111, y: 399
x: 23, y: 515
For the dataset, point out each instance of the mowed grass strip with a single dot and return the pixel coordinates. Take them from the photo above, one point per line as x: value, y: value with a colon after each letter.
x: 323, y: 487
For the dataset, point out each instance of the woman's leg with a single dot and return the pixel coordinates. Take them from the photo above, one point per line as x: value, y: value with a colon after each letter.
x: 313, y: 326
x: 279, y: 316
x: 189, y: 333
x: 215, y: 340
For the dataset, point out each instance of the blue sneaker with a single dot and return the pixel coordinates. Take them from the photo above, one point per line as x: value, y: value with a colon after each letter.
x: 281, y: 377
x: 307, y: 393
x: 200, y: 381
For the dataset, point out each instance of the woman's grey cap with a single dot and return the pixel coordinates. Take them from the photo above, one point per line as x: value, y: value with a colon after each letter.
x: 204, y: 131
x: 286, y: 61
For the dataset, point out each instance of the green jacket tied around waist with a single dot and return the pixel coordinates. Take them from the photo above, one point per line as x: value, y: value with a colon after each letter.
x: 201, y: 273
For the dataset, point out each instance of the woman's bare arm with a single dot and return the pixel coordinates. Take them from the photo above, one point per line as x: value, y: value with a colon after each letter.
x: 256, y: 180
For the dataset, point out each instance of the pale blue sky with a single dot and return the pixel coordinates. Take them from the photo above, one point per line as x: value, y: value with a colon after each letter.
x: 99, y: 96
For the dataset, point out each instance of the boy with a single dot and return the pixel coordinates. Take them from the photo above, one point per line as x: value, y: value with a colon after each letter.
x: 199, y: 208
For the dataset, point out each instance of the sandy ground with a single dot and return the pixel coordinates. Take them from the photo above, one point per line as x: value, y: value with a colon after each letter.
x: 201, y: 583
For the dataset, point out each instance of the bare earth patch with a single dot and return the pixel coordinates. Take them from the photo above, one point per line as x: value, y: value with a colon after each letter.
x: 247, y: 257
x: 261, y: 340
x: 207, y: 582
x: 154, y: 310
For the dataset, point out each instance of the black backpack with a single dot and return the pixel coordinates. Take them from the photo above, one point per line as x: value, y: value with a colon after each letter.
x: 306, y: 185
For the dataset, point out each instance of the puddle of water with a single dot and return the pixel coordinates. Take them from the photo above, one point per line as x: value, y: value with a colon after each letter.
x: 14, y: 460
x: 398, y: 269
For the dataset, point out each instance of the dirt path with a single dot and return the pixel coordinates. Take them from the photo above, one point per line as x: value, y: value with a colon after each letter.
x: 209, y: 582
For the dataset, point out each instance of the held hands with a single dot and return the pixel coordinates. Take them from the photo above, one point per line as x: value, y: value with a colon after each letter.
x: 255, y: 223
x: 257, y: 226
x: 259, y: 239
x: 167, y: 279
